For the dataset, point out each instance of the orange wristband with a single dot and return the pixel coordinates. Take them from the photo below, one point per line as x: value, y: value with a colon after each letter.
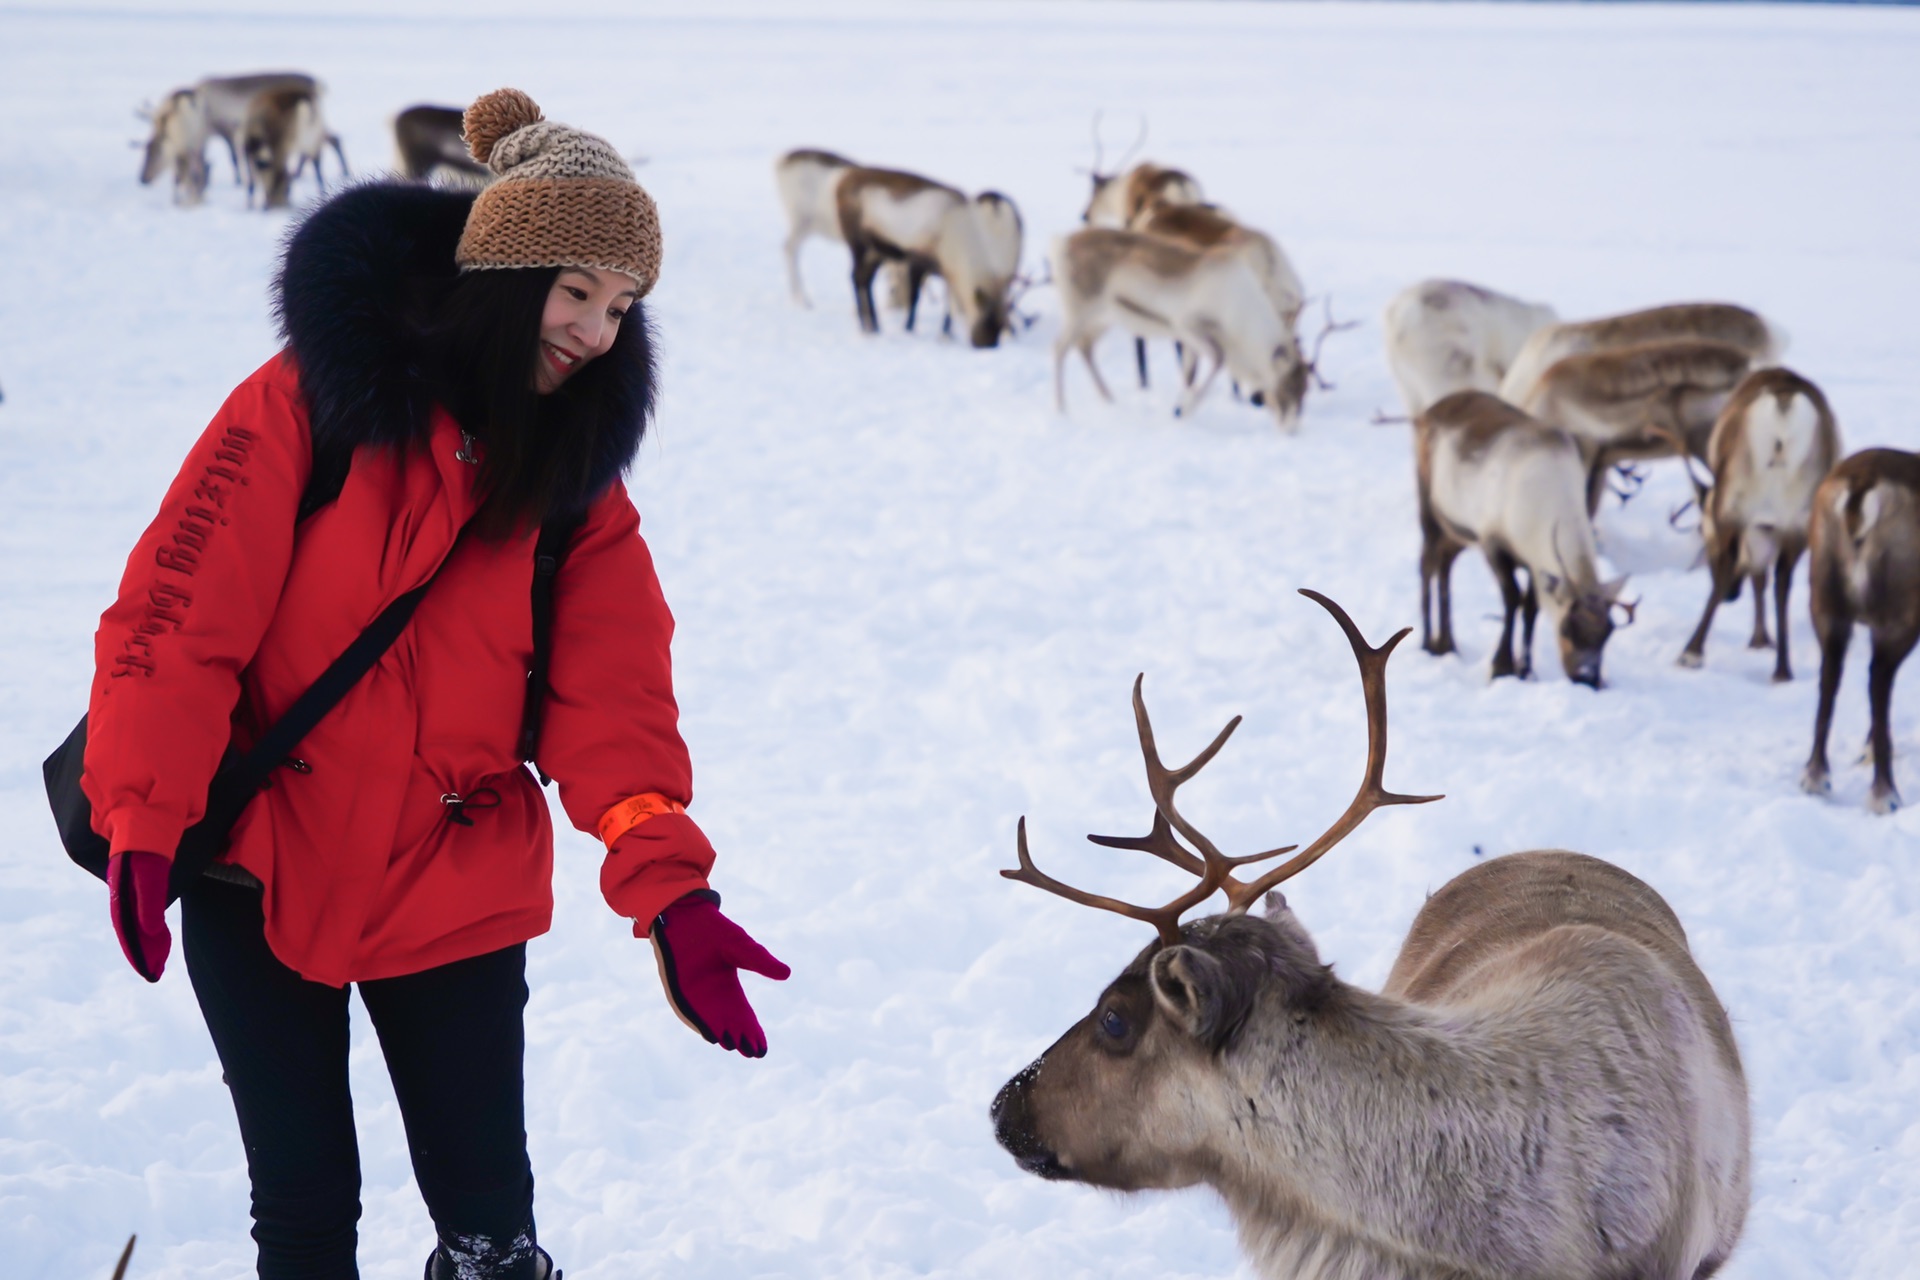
x: 633, y: 811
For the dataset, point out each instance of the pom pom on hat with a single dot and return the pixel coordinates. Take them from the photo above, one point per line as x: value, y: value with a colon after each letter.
x: 494, y: 116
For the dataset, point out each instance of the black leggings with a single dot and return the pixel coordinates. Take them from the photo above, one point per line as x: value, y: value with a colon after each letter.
x: 454, y: 1043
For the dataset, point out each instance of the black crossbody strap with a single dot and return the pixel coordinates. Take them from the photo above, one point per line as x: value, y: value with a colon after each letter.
x: 278, y: 742
x: 548, y: 552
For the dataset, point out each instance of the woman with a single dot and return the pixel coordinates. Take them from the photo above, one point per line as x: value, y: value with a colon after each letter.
x: 458, y: 372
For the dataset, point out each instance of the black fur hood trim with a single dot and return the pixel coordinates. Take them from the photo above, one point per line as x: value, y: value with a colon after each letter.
x: 339, y: 300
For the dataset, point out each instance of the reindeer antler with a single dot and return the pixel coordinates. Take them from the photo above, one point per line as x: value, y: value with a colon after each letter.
x: 1313, y: 361
x: 1215, y: 868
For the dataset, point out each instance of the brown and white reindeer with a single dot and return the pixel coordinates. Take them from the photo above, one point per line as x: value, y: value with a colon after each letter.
x: 1118, y: 198
x: 1003, y: 232
x: 1205, y: 226
x: 1492, y: 477
x: 178, y: 145
x: 284, y: 131
x: 1447, y: 335
x: 1208, y: 301
x: 808, y: 180
x: 1625, y: 403
x: 430, y: 146
x: 1720, y: 322
x: 1772, y: 446
x: 1865, y: 569
x: 888, y: 215
x: 1546, y: 1086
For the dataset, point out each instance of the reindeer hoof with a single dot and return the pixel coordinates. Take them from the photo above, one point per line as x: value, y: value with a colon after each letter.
x: 1782, y: 675
x: 1883, y: 800
x: 1815, y: 781
x: 1760, y: 642
x: 1692, y: 659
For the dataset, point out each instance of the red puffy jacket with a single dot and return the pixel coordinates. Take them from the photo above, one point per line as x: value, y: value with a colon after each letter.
x: 228, y: 612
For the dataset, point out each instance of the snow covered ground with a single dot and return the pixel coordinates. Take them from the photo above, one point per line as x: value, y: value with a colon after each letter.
x: 912, y: 599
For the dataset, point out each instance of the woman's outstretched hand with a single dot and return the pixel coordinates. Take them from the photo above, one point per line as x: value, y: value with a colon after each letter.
x: 701, y: 954
x: 137, y: 897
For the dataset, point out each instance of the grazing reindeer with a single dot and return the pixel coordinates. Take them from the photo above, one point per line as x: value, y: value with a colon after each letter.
x: 1447, y: 335
x: 1637, y: 401
x: 1547, y: 1085
x: 1118, y: 198
x: 1209, y: 301
x: 430, y: 144
x: 1773, y: 444
x: 887, y: 215
x: 226, y: 99
x: 808, y: 181
x: 1866, y: 568
x: 1002, y: 232
x: 283, y: 132
x: 179, y: 144
x: 1490, y: 476
x: 1204, y: 226
x: 1681, y: 322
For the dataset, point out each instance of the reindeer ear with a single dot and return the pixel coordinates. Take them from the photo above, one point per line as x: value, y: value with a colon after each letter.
x: 1611, y: 590
x: 1200, y: 995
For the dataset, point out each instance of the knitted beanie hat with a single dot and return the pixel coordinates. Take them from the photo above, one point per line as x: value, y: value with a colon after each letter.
x: 562, y: 196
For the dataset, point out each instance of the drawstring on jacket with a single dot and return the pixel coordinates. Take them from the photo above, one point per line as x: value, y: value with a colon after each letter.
x: 457, y: 804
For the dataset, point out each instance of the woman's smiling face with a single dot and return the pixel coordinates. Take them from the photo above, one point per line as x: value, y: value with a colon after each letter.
x: 582, y: 318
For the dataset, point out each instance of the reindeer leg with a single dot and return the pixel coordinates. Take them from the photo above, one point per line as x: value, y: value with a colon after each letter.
x: 1889, y: 651
x: 1449, y: 552
x: 792, y: 248
x: 1835, y: 630
x: 1782, y: 589
x: 1190, y: 399
x: 1529, y: 611
x: 1760, y: 639
x: 333, y: 139
x: 866, y: 262
x: 1100, y: 383
x: 1140, y: 360
x: 1720, y: 561
x: 1503, y: 566
x: 916, y: 276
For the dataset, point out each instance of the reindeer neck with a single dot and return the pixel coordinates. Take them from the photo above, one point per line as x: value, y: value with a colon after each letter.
x: 1366, y: 1130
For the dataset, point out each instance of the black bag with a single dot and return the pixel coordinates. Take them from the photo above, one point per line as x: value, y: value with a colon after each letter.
x: 242, y: 774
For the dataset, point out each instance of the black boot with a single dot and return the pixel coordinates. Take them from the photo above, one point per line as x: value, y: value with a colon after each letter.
x: 484, y: 1258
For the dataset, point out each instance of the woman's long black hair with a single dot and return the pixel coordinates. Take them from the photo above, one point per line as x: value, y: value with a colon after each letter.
x: 541, y: 455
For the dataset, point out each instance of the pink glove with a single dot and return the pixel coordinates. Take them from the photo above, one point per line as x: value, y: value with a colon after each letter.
x: 701, y: 953
x: 137, y: 897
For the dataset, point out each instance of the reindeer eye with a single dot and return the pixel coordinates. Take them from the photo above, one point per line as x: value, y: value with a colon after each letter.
x: 1114, y: 1024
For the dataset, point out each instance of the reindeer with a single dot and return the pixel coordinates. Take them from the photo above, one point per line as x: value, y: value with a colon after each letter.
x: 1637, y: 401
x: 1772, y: 445
x: 178, y: 144
x: 225, y: 101
x: 1865, y: 568
x: 1205, y: 226
x: 283, y: 131
x: 1002, y: 232
x: 1546, y: 1086
x: 1680, y: 322
x: 1209, y: 301
x: 888, y: 215
x: 1492, y: 477
x: 1447, y: 335
x: 431, y: 144
x: 808, y: 181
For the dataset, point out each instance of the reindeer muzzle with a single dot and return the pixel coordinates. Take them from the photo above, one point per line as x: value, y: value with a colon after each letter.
x: 1013, y: 1128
